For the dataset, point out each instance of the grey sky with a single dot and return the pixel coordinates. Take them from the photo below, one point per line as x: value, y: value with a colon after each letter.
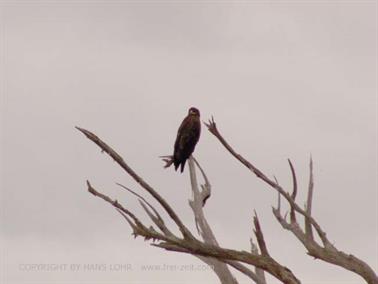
x: 284, y: 79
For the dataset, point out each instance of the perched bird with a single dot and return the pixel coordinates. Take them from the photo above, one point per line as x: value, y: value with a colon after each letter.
x: 187, y: 137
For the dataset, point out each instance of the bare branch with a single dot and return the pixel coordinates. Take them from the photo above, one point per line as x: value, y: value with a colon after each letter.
x: 220, y: 268
x: 254, y: 248
x: 264, y: 262
x: 140, y: 197
x: 168, y: 160
x: 258, y: 271
x: 261, y: 275
x: 156, y: 218
x: 197, y: 207
x: 258, y: 278
x: 132, y: 225
x: 260, y: 236
x: 327, y: 253
x: 294, y: 194
x: 212, y: 127
x: 136, y: 224
x: 278, y: 198
x: 238, y: 266
x: 189, y: 243
x: 206, y: 188
x: 205, y: 230
x: 185, y: 232
x: 308, y: 226
x: 274, y: 184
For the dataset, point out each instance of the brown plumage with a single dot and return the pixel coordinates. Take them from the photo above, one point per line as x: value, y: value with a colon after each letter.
x: 187, y: 137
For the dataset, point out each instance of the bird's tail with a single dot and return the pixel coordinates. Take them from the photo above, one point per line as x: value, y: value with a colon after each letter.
x: 183, y: 165
x: 176, y: 163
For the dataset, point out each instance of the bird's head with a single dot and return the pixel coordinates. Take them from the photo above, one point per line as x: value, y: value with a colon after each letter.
x: 194, y: 111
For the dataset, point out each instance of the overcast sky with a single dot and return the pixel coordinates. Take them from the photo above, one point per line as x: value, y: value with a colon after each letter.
x: 283, y: 80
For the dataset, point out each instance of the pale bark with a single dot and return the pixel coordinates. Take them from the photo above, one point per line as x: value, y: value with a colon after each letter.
x: 209, y: 250
x: 186, y: 243
x: 325, y: 251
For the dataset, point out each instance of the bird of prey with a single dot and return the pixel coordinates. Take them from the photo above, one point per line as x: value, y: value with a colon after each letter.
x: 187, y: 137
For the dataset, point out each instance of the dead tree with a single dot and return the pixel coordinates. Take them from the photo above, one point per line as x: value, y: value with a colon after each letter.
x: 325, y: 250
x: 208, y: 249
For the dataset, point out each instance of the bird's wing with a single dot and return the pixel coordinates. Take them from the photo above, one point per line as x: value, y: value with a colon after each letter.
x: 181, y: 133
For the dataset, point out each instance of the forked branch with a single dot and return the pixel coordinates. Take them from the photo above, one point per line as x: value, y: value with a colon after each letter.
x: 325, y: 251
x: 117, y: 158
x: 163, y: 237
x: 205, y: 231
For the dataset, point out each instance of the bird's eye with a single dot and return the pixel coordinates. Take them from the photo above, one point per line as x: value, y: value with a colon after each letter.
x: 193, y: 111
